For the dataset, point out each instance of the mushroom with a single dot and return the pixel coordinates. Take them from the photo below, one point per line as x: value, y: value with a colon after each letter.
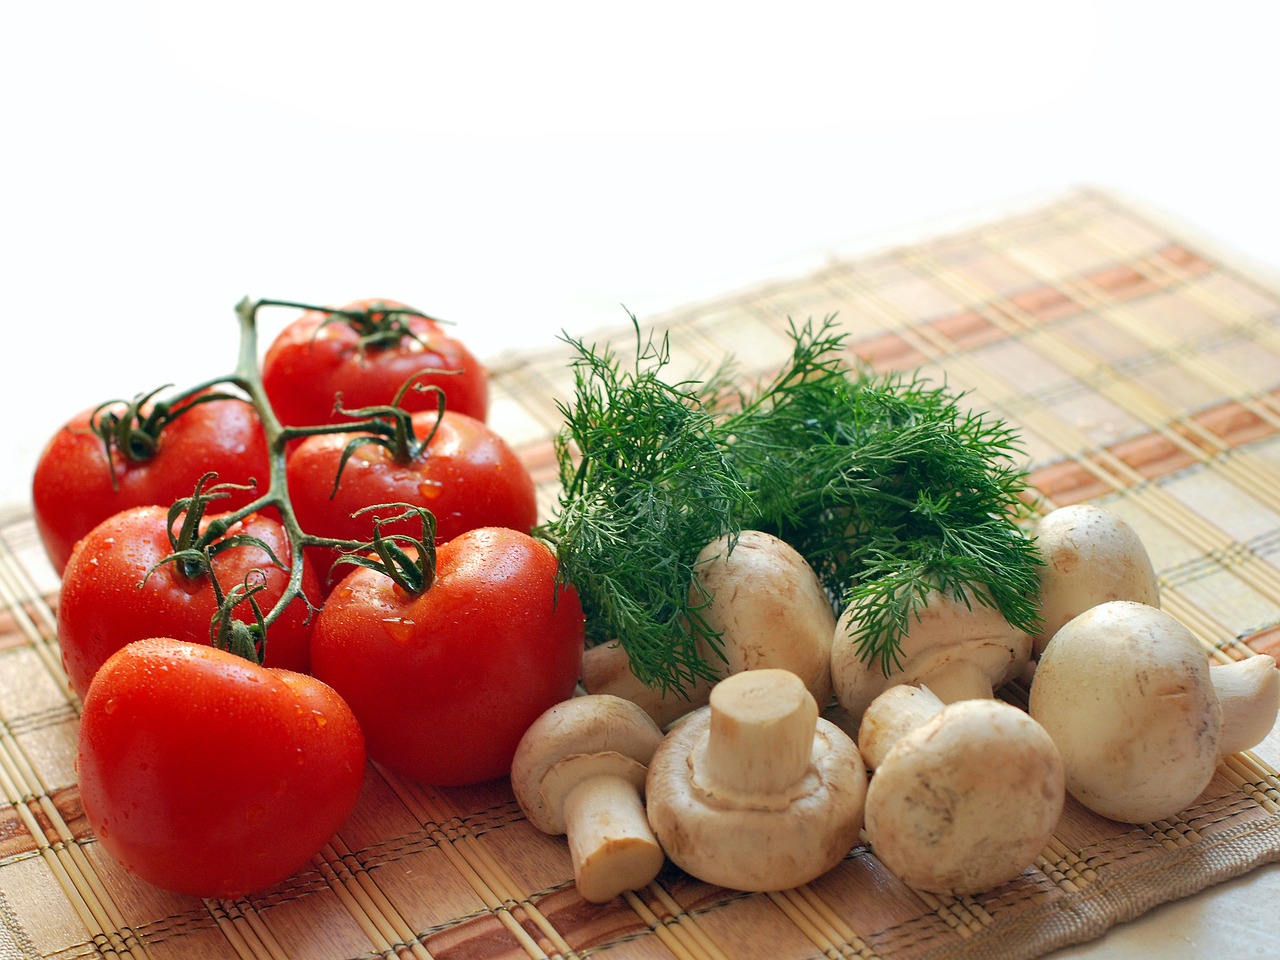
x: 606, y: 670
x: 755, y: 791
x: 959, y: 646
x: 1141, y: 718
x: 964, y: 796
x: 579, y: 770
x: 1091, y: 555
x: 767, y: 606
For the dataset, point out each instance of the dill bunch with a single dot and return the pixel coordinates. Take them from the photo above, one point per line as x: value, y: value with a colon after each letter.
x: 645, y: 484
x: 888, y: 486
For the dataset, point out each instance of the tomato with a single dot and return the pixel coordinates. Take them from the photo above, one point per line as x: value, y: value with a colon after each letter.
x: 467, y: 476
x: 206, y: 774
x: 102, y: 607
x: 445, y: 681
x: 75, y: 487
x: 320, y: 355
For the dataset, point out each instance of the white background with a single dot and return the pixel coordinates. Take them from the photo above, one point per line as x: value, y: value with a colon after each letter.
x: 527, y: 169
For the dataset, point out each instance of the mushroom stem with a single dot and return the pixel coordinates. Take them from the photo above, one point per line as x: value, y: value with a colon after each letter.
x: 580, y: 770
x: 1249, y: 693
x: 958, y: 680
x: 760, y: 739
x: 612, y: 847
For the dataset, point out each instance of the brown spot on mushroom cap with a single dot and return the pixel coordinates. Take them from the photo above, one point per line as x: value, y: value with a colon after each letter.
x: 600, y: 725
x: 1125, y: 691
x: 966, y: 801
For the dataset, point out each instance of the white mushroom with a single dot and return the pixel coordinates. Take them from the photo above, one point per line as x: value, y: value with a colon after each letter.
x: 579, y: 770
x: 769, y: 609
x: 1091, y: 555
x: 959, y: 647
x: 606, y: 670
x: 755, y: 791
x: 964, y: 796
x: 1127, y: 693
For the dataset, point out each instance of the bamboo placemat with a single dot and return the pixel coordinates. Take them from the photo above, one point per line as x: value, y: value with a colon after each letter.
x: 1143, y: 371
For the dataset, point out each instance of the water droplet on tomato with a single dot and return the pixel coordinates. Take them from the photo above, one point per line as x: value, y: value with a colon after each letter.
x: 399, y: 629
x: 319, y: 718
x: 430, y: 489
x: 110, y: 706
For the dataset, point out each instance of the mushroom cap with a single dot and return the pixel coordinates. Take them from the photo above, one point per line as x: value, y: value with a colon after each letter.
x: 741, y: 845
x: 966, y: 801
x: 572, y: 741
x: 947, y: 628
x: 769, y: 608
x: 1125, y: 691
x: 1091, y: 555
x: 891, y: 716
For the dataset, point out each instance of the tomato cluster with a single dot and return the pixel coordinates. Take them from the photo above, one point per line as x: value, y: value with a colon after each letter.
x: 254, y: 605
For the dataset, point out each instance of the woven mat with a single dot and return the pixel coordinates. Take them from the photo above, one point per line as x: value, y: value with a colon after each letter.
x: 1143, y: 371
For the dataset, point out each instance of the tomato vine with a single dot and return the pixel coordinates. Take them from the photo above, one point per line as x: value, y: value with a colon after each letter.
x: 193, y: 549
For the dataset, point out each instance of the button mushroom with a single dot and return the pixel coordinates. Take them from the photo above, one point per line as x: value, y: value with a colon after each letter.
x: 755, y: 791
x: 957, y: 646
x: 769, y: 609
x: 579, y: 770
x: 1141, y: 718
x: 1091, y: 555
x: 964, y: 796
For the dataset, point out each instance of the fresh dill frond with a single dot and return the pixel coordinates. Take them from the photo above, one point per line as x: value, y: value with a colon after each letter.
x: 644, y: 486
x: 889, y: 487
x: 884, y: 483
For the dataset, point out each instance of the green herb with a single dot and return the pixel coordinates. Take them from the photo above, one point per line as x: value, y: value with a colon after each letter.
x: 888, y: 486
x: 645, y: 484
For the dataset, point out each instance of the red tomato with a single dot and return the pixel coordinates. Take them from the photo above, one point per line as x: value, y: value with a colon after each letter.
x: 72, y: 490
x: 208, y: 775
x: 319, y: 356
x: 467, y: 477
x: 102, y: 607
x: 445, y: 682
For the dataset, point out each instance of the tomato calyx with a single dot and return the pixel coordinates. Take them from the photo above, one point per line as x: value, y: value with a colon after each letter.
x: 247, y: 640
x: 408, y: 560
x: 132, y: 428
x: 195, y: 543
x: 390, y: 426
x: 377, y: 325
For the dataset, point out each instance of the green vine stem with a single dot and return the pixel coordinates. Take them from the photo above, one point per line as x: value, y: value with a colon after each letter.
x: 194, y: 550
